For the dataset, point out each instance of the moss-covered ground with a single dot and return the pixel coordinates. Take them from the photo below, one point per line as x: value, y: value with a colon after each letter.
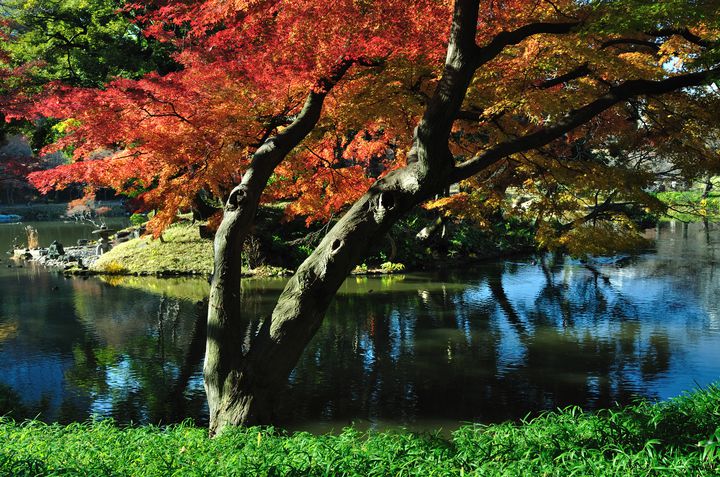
x: 181, y: 251
x: 674, y: 438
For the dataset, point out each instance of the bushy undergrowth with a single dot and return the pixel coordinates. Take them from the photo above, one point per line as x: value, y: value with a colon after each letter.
x: 461, y: 241
x: 678, y: 437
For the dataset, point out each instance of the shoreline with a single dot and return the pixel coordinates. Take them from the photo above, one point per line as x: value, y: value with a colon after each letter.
x: 41, y: 212
x: 68, y: 265
x: 182, y: 252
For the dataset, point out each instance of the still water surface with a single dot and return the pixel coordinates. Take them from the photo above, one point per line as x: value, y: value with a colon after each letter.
x: 495, y: 342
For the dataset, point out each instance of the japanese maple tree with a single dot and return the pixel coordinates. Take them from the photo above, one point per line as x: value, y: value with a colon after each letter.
x: 349, y: 107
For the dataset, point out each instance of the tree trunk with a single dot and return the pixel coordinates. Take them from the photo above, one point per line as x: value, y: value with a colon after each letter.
x: 708, y: 188
x: 260, y: 370
x: 241, y: 381
x: 228, y: 374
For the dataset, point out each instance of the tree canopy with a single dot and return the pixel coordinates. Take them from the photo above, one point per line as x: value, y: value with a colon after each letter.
x: 244, y: 69
x: 78, y: 43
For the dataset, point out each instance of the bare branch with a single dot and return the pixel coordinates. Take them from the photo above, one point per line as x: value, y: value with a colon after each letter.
x: 630, y: 41
x: 507, y: 38
x: 683, y: 32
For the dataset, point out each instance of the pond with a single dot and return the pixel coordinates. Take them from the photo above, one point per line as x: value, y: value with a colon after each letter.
x: 499, y: 341
x: 66, y: 232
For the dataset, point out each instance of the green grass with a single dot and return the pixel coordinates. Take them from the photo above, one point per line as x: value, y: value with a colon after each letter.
x: 678, y: 437
x: 689, y: 206
x: 181, y: 251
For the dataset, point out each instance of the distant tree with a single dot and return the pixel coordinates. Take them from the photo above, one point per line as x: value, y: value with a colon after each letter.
x: 78, y: 43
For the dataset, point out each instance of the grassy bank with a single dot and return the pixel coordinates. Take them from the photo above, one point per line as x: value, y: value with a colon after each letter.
x: 180, y: 251
x: 691, y: 206
x: 678, y: 437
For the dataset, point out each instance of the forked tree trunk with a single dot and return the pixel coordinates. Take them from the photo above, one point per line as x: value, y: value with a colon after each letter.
x: 258, y: 369
x: 244, y: 372
x: 226, y: 370
x: 245, y: 367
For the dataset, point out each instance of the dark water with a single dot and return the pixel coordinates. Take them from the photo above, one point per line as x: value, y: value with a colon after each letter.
x: 67, y: 233
x: 496, y: 342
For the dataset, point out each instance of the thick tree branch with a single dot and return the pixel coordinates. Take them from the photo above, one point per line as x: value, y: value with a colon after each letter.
x: 507, y: 38
x: 281, y: 144
x: 470, y: 114
x: 463, y: 58
x: 578, y: 117
x: 683, y: 32
x: 430, y: 145
x: 660, y: 33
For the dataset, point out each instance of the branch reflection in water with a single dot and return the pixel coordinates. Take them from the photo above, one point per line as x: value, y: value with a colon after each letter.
x: 503, y: 340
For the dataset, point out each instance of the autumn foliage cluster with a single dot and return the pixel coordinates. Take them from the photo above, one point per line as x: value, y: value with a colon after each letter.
x: 245, y: 67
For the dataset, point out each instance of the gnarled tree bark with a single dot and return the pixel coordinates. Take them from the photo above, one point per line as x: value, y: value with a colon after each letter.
x: 226, y: 369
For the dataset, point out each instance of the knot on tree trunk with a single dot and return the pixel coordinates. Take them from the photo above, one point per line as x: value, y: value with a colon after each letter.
x: 336, y: 246
x: 384, y: 203
x: 237, y: 197
x: 387, y: 200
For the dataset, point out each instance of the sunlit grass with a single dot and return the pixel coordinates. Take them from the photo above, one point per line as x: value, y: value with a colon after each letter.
x: 678, y: 437
x: 690, y: 206
x: 181, y: 251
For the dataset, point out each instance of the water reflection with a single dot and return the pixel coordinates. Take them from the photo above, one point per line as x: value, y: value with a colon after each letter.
x: 514, y: 338
x: 82, y: 347
x: 498, y: 342
x: 66, y: 232
x: 141, y: 357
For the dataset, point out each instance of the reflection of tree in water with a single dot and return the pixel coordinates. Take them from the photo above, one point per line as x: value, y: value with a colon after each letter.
x: 395, y: 356
x: 586, y: 345
x: 37, y: 331
x: 443, y: 353
x: 691, y: 261
x: 140, y: 353
x: 513, y: 338
x: 346, y: 367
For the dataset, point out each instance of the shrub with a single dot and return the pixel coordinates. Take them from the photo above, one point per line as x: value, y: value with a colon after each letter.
x: 390, y: 267
x: 138, y: 219
x: 113, y: 268
x: 362, y: 268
